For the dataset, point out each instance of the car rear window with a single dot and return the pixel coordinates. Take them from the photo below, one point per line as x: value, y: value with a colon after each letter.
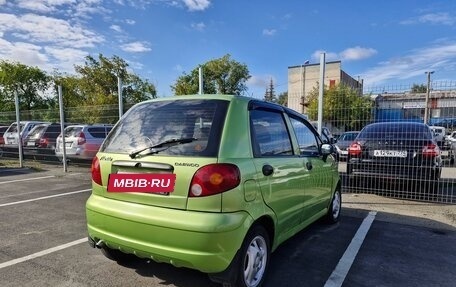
x: 73, y: 131
x: 396, y: 131
x: 13, y: 128
x: 348, y: 136
x: 37, y: 131
x: 152, y: 123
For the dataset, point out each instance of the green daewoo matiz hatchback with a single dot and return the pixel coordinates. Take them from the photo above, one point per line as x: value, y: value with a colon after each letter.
x: 210, y: 182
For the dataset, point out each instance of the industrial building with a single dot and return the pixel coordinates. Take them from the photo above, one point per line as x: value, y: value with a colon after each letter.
x: 304, y: 78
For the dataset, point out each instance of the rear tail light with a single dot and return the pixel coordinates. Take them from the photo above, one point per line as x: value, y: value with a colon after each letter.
x: 355, y: 149
x: 213, y: 179
x: 96, y: 171
x: 431, y: 150
x: 43, y: 142
x: 81, y: 138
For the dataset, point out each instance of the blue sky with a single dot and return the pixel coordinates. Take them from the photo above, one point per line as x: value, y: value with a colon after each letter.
x: 383, y: 42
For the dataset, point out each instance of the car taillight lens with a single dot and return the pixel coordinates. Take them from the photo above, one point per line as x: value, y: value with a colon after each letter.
x: 43, y: 142
x: 96, y: 171
x: 431, y: 150
x: 81, y: 138
x: 355, y: 149
x: 213, y: 179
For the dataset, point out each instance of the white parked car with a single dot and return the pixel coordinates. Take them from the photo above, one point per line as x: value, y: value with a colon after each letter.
x: 82, y: 141
x: 11, y: 137
x: 439, y: 134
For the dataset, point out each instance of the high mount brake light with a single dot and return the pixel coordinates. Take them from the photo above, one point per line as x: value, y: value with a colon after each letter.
x: 213, y: 179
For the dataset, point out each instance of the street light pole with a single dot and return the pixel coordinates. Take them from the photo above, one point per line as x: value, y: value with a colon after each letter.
x: 428, y: 91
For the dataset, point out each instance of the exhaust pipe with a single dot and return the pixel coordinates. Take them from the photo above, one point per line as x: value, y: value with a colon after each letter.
x: 96, y: 243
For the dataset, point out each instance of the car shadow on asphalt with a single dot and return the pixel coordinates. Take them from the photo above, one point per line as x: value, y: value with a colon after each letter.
x: 306, y: 259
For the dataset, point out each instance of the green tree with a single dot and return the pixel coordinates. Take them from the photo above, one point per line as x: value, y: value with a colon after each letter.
x: 30, y: 84
x: 283, y: 99
x: 419, y: 88
x: 98, y: 81
x: 220, y: 76
x: 95, y: 87
x: 342, y: 107
x: 270, y: 95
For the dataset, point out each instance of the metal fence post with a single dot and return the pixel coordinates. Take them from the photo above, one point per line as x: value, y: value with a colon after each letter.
x: 62, y: 128
x: 19, y: 137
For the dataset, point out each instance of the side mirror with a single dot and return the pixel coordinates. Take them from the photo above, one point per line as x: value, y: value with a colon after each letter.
x: 326, y: 149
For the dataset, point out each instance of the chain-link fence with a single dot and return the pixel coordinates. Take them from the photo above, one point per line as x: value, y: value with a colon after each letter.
x: 391, y: 165
x: 392, y: 156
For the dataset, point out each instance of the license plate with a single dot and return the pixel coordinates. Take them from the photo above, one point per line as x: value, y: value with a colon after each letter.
x: 141, y: 182
x: 68, y: 144
x: 344, y: 152
x: 30, y: 143
x: 390, y: 153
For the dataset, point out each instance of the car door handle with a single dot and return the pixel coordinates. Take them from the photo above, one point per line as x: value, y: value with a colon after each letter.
x: 267, y: 170
x: 309, y: 165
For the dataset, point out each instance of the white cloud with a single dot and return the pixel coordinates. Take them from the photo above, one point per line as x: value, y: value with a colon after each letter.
x: 25, y: 53
x: 357, y: 53
x: 349, y: 54
x: 116, y: 28
x: 328, y: 56
x: 198, y: 26
x: 130, y: 21
x: 66, y: 58
x: 136, y: 47
x: 43, y: 6
x: 269, y: 32
x: 39, y: 29
x: 416, y: 62
x: 197, y: 5
x: 432, y: 18
x: 2, y: 2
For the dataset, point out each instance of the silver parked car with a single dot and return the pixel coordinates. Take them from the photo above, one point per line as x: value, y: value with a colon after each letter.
x: 82, y: 141
x: 11, y: 137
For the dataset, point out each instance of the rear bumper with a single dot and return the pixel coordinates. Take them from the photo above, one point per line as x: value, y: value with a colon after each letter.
x: 198, y: 240
x: 393, y: 171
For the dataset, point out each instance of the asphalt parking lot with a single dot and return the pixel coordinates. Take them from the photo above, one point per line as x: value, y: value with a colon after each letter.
x: 378, y: 242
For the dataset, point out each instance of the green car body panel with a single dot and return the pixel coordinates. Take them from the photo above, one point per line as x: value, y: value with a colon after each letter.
x: 205, y: 233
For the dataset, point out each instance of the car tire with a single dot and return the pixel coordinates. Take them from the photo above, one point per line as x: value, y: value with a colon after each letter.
x: 334, y: 209
x: 115, y: 255
x: 249, y: 266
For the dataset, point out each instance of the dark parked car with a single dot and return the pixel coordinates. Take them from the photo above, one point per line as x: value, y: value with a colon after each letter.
x: 395, y: 150
x: 343, y: 142
x: 41, y: 139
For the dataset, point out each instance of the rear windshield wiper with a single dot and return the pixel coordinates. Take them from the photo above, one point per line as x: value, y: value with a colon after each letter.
x: 167, y: 143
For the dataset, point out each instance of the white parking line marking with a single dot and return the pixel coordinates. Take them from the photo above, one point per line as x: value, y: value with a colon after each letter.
x: 340, y: 272
x: 26, y: 179
x: 42, y: 253
x: 34, y: 178
x: 44, y: 197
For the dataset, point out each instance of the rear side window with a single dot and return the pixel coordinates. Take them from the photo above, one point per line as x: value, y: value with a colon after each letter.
x: 97, y: 132
x: 270, y: 134
x: 53, y: 131
x: 152, y: 123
